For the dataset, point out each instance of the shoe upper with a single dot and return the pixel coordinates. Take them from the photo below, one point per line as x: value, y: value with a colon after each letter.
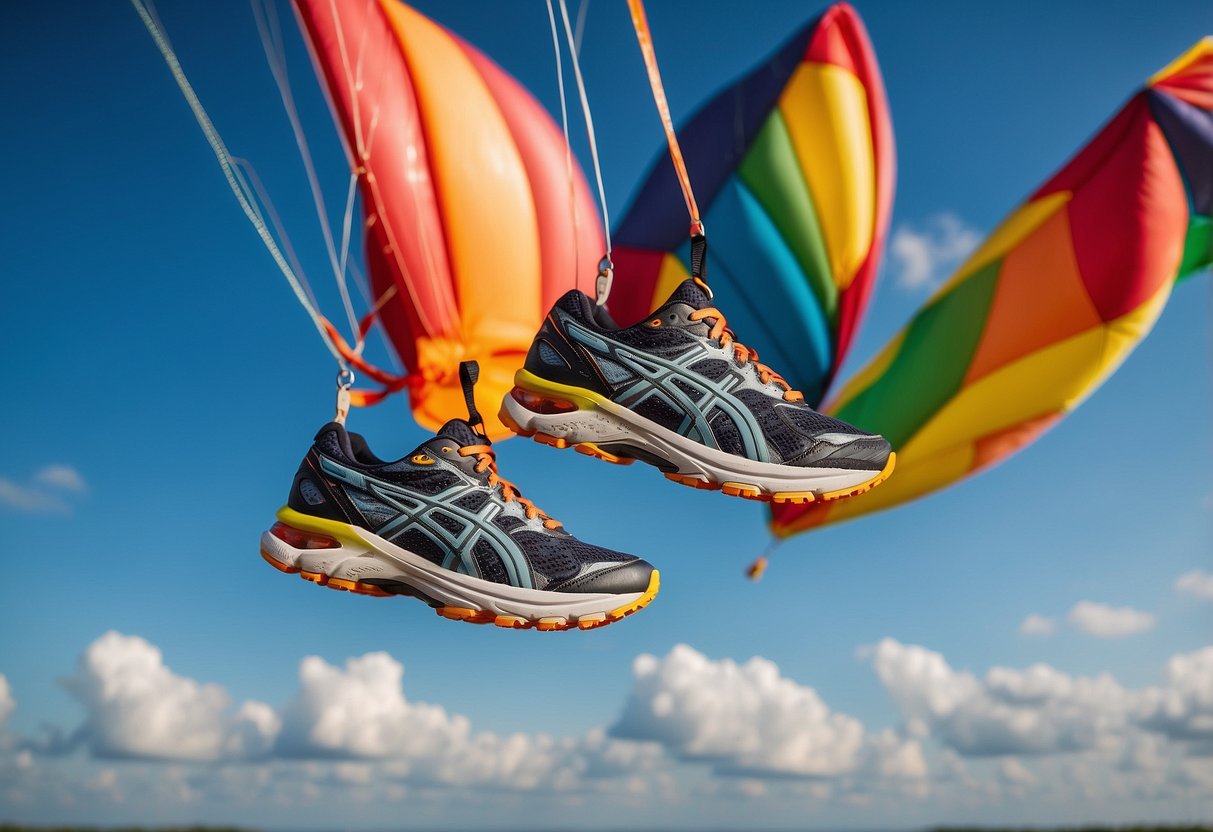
x: 453, y: 510
x: 676, y: 369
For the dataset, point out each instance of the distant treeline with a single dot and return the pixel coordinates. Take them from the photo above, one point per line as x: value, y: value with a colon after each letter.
x: 14, y: 827
x: 1140, y: 827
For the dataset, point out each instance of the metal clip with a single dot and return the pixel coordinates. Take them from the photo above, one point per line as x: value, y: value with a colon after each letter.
x: 602, y: 285
x: 345, y: 380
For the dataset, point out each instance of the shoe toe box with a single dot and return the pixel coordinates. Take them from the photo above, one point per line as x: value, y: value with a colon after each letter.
x: 613, y: 578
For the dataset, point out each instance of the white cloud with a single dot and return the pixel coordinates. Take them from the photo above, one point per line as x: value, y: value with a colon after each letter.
x: 923, y: 254
x: 1042, y: 711
x: 1038, y: 625
x: 744, y: 718
x: 63, y: 477
x: 1106, y: 621
x: 1183, y: 708
x: 360, y: 711
x: 137, y: 707
x: 44, y: 493
x: 1034, y: 711
x: 1197, y: 583
x: 693, y: 730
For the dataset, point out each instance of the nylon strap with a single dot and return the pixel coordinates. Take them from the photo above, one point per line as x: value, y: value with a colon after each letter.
x: 644, y: 37
x: 469, y: 372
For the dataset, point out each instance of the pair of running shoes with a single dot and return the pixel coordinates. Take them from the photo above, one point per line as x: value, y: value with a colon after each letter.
x: 674, y: 390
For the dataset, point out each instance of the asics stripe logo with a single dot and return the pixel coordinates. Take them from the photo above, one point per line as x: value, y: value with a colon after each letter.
x: 656, y: 378
x: 419, y: 511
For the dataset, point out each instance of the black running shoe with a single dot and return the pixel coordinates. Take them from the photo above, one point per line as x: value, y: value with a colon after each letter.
x: 441, y: 525
x: 677, y: 391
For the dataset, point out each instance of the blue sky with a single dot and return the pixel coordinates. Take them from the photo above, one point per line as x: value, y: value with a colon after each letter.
x: 160, y: 357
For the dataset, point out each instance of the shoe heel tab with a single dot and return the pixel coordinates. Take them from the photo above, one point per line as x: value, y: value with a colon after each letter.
x: 578, y: 304
x: 334, y: 440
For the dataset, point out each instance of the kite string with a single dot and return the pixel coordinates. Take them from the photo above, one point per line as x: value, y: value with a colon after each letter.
x: 644, y: 37
x: 568, y: 149
x: 270, y: 33
x: 227, y: 165
x: 589, y: 131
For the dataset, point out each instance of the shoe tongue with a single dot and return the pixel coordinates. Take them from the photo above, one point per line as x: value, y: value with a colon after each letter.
x: 459, y: 431
x: 690, y: 293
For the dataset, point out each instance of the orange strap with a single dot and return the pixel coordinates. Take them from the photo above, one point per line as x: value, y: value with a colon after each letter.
x: 641, y: 24
x: 391, y: 382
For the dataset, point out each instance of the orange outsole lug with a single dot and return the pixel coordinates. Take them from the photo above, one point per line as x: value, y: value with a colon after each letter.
x: 741, y: 489
x: 733, y: 489
x: 794, y: 497
x: 506, y: 419
x: 473, y: 616
x: 693, y: 482
x: 277, y: 564
x: 590, y: 449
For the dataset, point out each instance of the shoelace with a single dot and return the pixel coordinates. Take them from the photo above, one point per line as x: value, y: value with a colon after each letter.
x: 486, y: 460
x: 744, y: 354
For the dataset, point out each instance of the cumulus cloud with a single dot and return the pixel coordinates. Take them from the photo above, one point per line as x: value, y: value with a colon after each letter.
x: 360, y: 711
x: 1037, y: 625
x: 1034, y: 711
x: 1106, y: 621
x: 1197, y: 584
x: 1041, y: 710
x: 44, y: 492
x: 923, y: 254
x: 1183, y: 708
x: 745, y: 718
x: 136, y: 707
x: 692, y: 728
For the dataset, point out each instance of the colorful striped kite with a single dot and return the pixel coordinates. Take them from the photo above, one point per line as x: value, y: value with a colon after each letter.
x: 465, y: 191
x: 793, y: 166
x: 1050, y: 304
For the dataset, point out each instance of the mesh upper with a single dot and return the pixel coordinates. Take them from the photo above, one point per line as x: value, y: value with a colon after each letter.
x: 420, y: 543
x: 658, y: 340
x: 552, y: 555
x: 458, y: 430
x: 657, y: 410
x: 560, y: 557
x: 728, y: 437
x: 489, y: 563
x: 691, y: 294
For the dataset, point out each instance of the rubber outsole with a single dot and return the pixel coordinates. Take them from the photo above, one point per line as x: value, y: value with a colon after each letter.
x: 747, y: 491
x: 473, y: 616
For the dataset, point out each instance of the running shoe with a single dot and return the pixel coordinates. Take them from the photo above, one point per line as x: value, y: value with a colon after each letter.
x: 677, y: 391
x: 443, y: 526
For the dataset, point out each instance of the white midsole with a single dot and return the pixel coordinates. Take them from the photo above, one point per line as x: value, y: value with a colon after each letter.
x: 622, y: 426
x: 381, y: 559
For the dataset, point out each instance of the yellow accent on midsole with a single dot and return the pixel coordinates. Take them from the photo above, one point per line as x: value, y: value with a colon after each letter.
x: 343, y: 532
x: 584, y: 399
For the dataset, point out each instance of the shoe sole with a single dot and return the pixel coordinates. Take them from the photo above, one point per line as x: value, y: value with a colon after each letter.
x: 366, y: 564
x: 601, y: 428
